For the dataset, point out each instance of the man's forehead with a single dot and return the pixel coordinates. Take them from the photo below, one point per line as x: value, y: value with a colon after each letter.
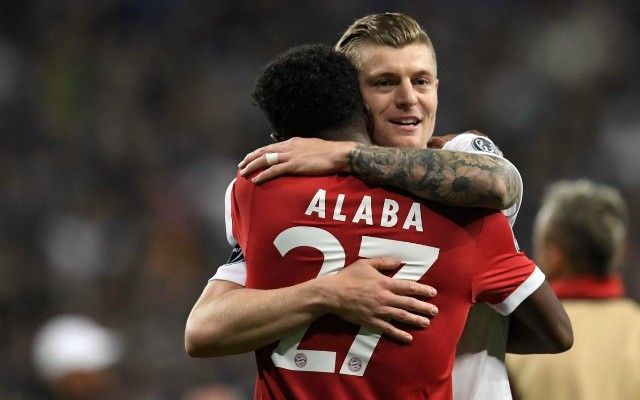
x: 380, y: 59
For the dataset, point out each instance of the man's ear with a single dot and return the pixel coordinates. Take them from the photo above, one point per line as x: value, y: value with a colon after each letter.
x: 368, y: 120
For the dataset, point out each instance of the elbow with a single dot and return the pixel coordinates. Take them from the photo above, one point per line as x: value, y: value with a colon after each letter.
x: 193, y: 348
x: 567, y: 339
x: 199, y: 343
x: 508, y: 186
x: 499, y: 198
x: 192, y: 343
x: 563, y: 339
x: 505, y: 194
x: 505, y: 197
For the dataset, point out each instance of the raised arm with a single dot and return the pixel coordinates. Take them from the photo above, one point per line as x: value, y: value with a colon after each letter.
x: 230, y: 319
x: 448, y: 177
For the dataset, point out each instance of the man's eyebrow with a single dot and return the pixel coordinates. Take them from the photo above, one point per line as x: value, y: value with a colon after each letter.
x: 382, y: 74
x: 423, y: 72
x: 372, y: 78
x: 389, y: 74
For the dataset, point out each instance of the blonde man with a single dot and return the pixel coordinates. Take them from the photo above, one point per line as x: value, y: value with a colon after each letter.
x: 579, y: 238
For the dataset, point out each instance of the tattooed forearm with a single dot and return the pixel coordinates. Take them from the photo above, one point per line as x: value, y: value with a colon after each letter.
x: 448, y: 177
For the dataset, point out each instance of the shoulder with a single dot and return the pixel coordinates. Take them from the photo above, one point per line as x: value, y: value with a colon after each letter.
x: 471, y: 142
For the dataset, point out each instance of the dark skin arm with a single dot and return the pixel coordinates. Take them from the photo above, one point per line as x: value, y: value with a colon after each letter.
x: 540, y: 325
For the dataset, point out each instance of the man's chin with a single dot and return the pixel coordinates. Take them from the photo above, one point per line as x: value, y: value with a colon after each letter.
x: 412, y: 142
x: 394, y: 137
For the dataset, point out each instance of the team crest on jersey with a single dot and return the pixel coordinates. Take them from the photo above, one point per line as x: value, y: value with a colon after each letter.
x: 300, y: 359
x: 484, y: 145
x: 355, y: 364
x: 236, y: 255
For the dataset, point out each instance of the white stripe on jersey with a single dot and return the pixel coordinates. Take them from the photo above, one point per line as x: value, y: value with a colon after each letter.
x: 523, y: 291
x: 235, y: 272
x: 227, y: 215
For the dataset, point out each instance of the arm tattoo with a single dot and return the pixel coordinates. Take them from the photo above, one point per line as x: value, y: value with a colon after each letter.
x: 448, y: 177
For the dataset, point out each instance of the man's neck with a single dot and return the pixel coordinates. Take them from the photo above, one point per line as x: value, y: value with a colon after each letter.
x: 355, y: 132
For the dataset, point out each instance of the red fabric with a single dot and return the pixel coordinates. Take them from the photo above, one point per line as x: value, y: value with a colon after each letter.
x: 589, y: 287
x: 477, y: 261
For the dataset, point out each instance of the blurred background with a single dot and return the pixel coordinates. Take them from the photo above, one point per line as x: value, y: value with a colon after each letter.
x: 123, y: 121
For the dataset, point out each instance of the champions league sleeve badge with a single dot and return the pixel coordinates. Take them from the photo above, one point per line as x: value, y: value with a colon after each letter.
x: 236, y: 255
x: 485, y: 145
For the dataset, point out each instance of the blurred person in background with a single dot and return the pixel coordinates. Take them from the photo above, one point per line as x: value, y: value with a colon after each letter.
x: 75, y: 356
x: 579, y: 240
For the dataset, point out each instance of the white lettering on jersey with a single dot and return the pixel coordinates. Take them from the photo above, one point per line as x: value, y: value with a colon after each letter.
x: 364, y: 211
x: 417, y: 258
x: 414, y: 218
x: 336, y: 212
x: 388, y: 216
x: 389, y: 211
x: 317, y: 204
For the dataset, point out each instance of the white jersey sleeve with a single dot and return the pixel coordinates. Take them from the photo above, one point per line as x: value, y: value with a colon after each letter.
x: 235, y: 269
x: 232, y: 272
x: 472, y: 143
x: 228, y: 222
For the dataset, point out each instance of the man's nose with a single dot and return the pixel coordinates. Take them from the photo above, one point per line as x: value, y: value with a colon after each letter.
x: 406, y: 95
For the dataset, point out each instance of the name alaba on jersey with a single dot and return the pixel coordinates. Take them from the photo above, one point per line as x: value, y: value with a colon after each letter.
x: 293, y: 229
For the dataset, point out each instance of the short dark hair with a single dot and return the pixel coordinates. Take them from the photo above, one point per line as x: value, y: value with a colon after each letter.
x: 307, y: 90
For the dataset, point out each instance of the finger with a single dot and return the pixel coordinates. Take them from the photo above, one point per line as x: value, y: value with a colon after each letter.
x: 262, y: 162
x: 387, y: 329
x: 406, y: 317
x: 254, y: 165
x: 250, y: 157
x: 257, y: 153
x: 382, y: 263
x: 413, y: 305
x: 272, y: 172
x: 413, y: 288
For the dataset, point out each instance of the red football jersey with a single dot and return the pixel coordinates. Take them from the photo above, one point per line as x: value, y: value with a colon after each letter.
x: 293, y: 229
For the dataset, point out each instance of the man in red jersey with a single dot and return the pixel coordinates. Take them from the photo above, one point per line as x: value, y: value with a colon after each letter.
x: 306, y: 227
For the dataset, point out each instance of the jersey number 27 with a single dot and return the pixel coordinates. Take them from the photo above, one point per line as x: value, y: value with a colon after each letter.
x: 417, y: 258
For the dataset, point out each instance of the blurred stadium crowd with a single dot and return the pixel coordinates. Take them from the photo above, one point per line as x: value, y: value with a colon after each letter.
x: 122, y: 123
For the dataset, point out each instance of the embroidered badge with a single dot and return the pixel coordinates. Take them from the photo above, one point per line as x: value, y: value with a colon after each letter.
x: 482, y: 144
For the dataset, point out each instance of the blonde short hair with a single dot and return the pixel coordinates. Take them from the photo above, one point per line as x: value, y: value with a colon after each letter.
x: 588, y: 221
x: 386, y: 29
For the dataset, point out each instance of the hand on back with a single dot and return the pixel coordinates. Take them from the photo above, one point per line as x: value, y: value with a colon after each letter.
x: 365, y: 296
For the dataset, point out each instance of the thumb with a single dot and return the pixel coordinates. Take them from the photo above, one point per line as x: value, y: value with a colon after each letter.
x: 383, y: 263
